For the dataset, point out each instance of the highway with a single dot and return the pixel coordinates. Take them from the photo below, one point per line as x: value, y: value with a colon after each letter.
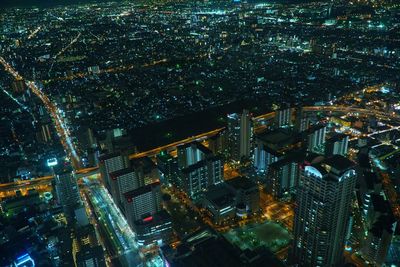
x: 200, y: 137
x: 155, y: 151
x: 40, y: 181
x: 54, y: 112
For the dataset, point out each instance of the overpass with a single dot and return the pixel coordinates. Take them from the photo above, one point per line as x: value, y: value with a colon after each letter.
x: 42, y: 181
x: 204, y: 136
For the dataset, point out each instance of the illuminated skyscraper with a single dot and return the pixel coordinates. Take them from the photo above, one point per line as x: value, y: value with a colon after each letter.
x: 110, y: 163
x: 240, y: 134
x: 199, y: 168
x: 123, y: 181
x: 67, y: 190
x: 198, y: 177
x: 322, y: 212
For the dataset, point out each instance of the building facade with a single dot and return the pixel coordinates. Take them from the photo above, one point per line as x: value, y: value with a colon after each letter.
x: 322, y: 212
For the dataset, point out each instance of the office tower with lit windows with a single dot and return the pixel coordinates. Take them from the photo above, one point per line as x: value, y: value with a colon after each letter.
x: 337, y: 145
x: 198, y: 177
x: 240, y: 134
x: 316, y: 138
x: 199, y: 168
x: 145, y: 215
x: 123, y: 181
x: 283, y: 117
x: 142, y: 202
x: 322, y: 212
x: 168, y: 166
x: 110, y: 163
x: 283, y: 175
x: 67, y: 190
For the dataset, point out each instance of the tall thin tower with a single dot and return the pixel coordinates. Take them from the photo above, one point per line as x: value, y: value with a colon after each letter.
x: 240, y: 135
x: 322, y: 212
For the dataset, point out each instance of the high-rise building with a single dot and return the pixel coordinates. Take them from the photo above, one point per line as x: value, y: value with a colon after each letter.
x: 199, y: 168
x: 67, y: 190
x: 189, y: 154
x: 142, y: 202
x: 110, y: 163
x: 239, y: 135
x: 45, y: 133
x: 302, y: 122
x: 283, y: 175
x: 264, y: 157
x: 271, y: 146
x: 379, y: 238
x: 217, y: 143
x: 283, y: 117
x: 198, y: 177
x: 316, y: 138
x: 337, y: 145
x: 322, y: 212
x: 168, y: 166
x: 146, y: 168
x: 123, y: 181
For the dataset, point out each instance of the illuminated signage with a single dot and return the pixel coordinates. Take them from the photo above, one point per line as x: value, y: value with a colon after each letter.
x: 52, y: 162
x: 148, y: 219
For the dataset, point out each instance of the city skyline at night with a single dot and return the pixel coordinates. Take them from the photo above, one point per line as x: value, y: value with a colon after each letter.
x: 207, y: 133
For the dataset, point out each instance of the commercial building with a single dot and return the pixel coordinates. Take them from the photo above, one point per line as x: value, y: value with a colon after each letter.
x: 322, y: 212
x: 86, y: 249
x: 156, y: 228
x: 142, y: 202
x: 67, y: 190
x: 246, y: 193
x: 91, y: 257
x: 237, y: 197
x: 220, y: 204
